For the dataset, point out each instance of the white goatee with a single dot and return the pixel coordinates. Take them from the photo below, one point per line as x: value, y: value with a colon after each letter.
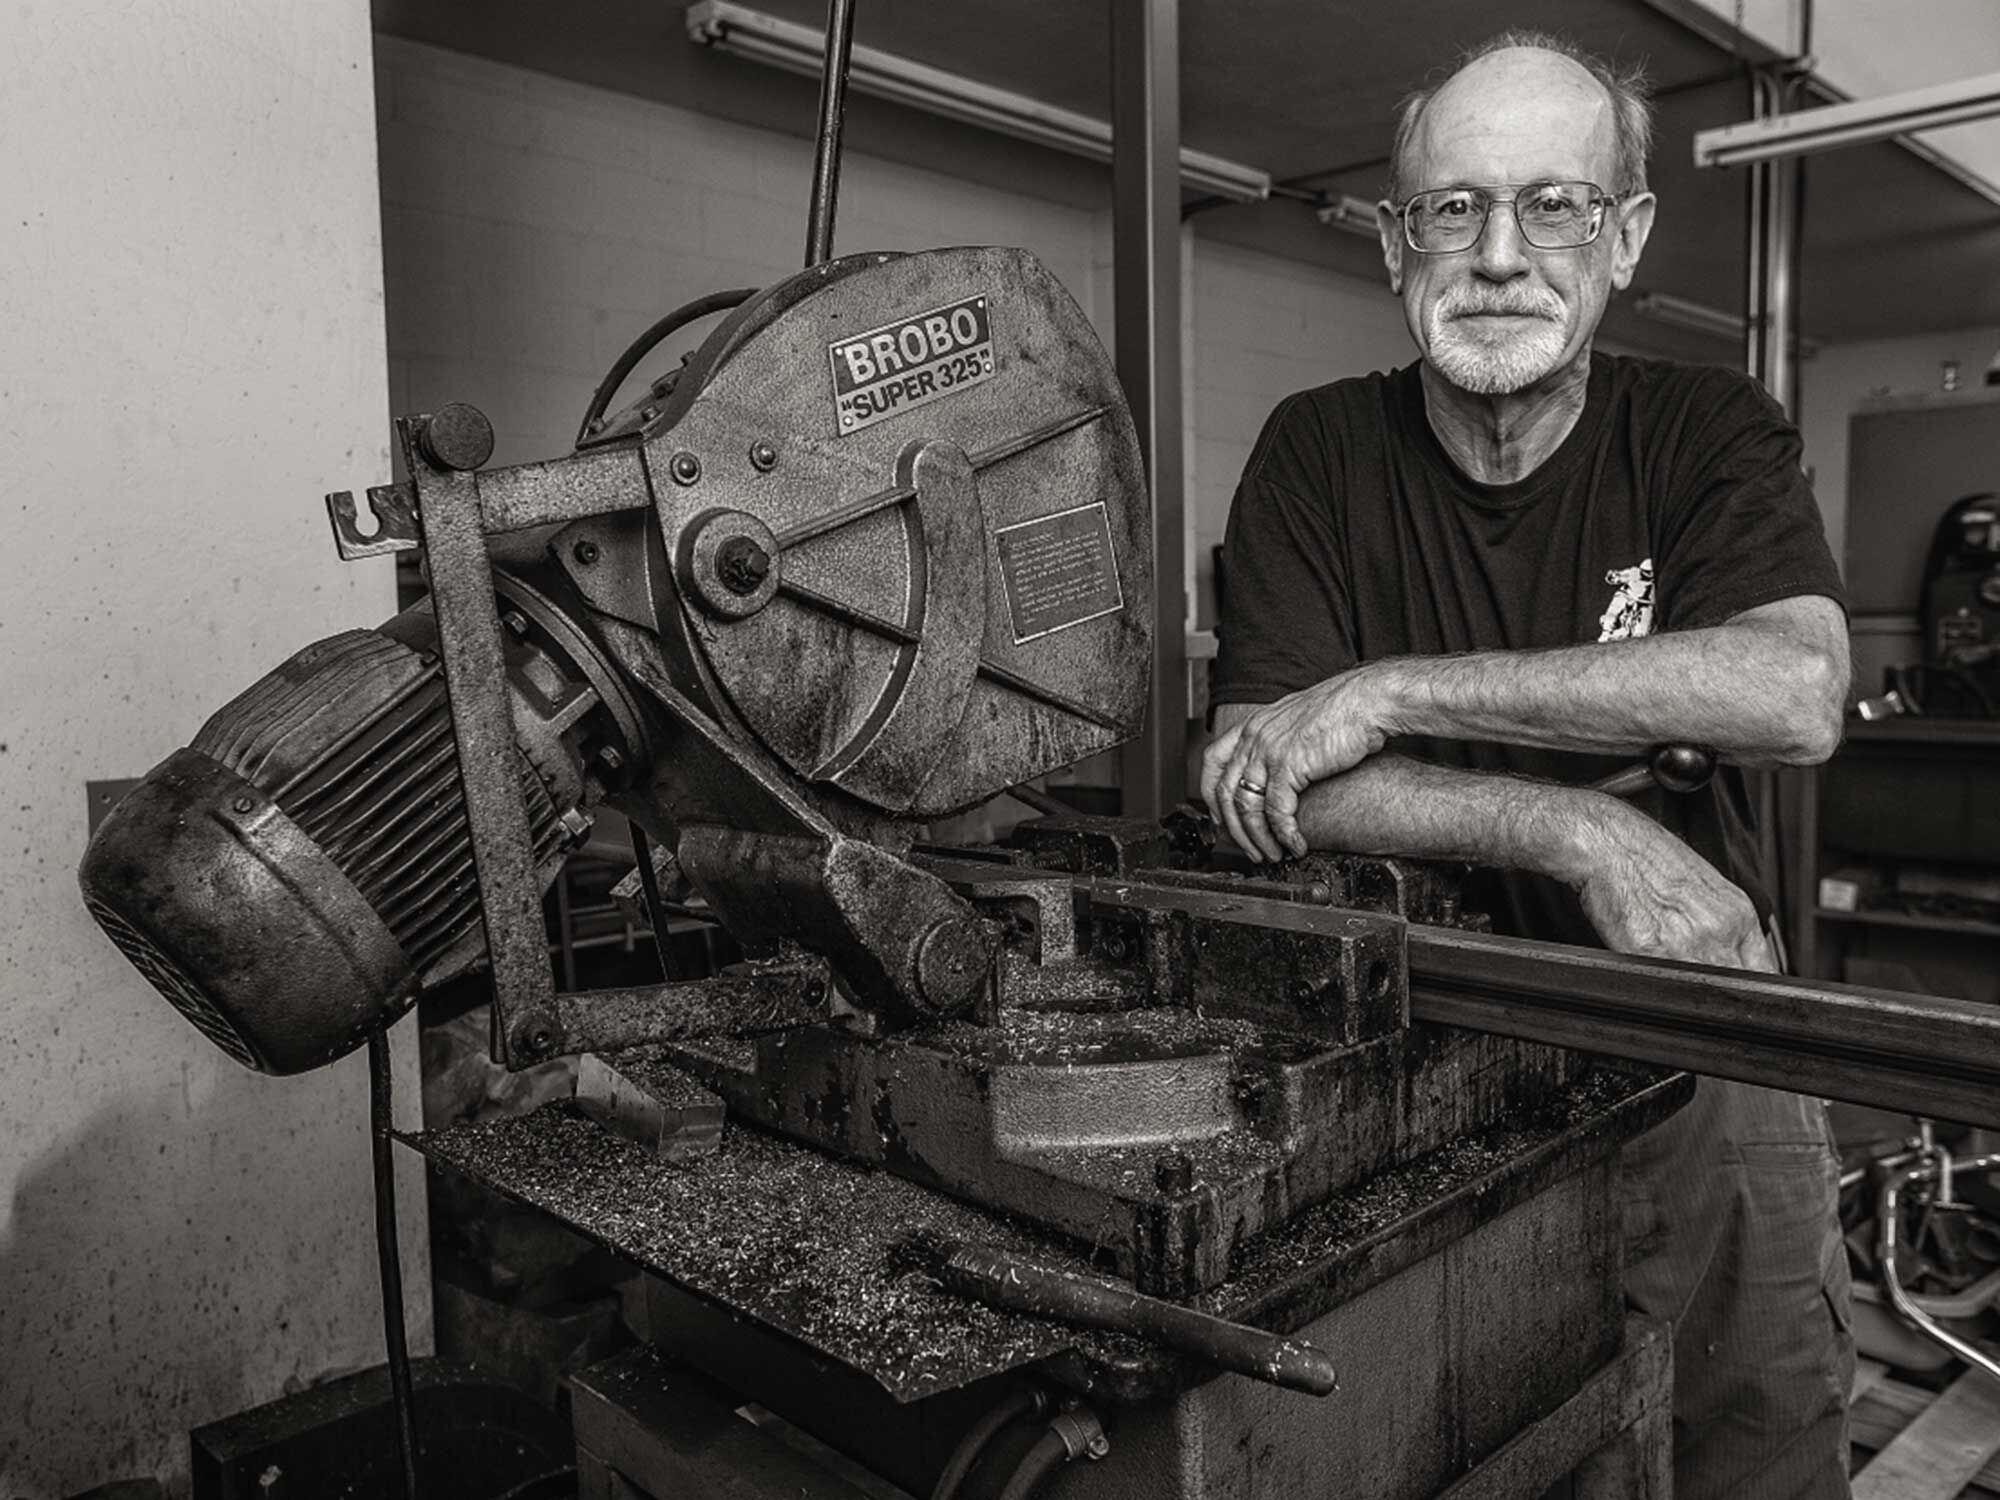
x: 1492, y: 362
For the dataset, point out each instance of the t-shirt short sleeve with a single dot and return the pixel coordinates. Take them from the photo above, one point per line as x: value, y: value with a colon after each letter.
x: 1740, y: 526
x: 1286, y: 619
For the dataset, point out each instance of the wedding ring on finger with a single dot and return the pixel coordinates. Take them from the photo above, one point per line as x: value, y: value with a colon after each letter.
x: 1249, y: 789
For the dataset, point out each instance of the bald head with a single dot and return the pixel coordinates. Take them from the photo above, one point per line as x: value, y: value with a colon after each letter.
x: 1499, y: 313
x: 1524, y: 81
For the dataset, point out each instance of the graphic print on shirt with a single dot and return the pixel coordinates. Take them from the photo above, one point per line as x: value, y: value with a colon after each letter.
x: 1629, y: 615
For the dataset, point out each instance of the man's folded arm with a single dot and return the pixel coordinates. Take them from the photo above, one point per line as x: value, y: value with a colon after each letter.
x: 1393, y: 805
x: 1643, y: 890
x: 1767, y: 687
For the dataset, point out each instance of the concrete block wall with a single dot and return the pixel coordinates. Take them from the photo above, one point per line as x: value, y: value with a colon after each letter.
x: 533, y: 226
x: 1261, y: 328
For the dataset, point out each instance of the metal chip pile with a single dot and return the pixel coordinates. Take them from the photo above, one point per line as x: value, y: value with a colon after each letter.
x: 821, y: 1249
x: 798, y: 1240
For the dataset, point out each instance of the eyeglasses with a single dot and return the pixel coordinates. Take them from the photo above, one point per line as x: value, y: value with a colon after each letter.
x: 1552, y: 215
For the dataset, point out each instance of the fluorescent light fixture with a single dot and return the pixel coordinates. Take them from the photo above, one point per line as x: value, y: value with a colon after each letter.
x: 1851, y: 124
x: 1664, y: 307
x: 1355, y: 215
x: 801, y: 49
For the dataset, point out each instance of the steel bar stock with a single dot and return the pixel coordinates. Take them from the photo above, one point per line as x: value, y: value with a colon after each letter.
x: 1910, y: 1053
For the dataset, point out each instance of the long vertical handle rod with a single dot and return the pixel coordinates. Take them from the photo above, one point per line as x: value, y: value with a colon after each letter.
x: 832, y: 115
x: 656, y: 906
x: 381, y: 1124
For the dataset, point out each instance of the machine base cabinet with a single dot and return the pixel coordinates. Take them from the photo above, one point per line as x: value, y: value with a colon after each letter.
x: 1491, y: 1368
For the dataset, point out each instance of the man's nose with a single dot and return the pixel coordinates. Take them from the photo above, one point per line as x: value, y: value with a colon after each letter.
x: 1500, y: 254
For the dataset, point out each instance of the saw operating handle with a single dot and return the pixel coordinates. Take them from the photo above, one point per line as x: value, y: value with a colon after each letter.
x: 1678, y: 768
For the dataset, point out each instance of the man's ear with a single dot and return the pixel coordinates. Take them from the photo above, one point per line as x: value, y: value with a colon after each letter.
x: 1389, y: 225
x: 1635, y: 225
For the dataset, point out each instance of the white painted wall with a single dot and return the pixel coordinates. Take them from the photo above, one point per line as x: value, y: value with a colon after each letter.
x: 533, y: 227
x: 191, y: 352
x: 1264, y: 327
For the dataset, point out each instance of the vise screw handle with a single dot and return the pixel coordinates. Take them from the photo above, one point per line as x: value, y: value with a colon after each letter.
x: 1678, y: 768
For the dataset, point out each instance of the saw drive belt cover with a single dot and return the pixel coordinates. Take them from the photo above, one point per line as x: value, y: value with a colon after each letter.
x: 910, y: 529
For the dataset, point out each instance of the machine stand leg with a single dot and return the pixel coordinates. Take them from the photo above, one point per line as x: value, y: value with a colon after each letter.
x: 597, y: 1480
x: 1637, y: 1464
x: 1613, y: 1440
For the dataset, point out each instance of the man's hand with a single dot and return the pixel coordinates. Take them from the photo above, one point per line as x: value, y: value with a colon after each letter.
x: 1255, y: 770
x: 1649, y: 894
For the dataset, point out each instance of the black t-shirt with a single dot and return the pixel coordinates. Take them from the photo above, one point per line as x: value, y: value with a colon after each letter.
x: 1675, y: 502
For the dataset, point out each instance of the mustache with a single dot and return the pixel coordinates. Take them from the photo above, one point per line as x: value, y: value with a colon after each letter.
x: 1466, y: 302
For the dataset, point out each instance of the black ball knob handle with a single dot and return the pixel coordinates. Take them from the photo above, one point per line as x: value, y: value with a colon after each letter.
x: 1678, y: 768
x: 1683, y: 768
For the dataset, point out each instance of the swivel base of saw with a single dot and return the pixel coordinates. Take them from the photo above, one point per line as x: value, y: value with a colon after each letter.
x: 1173, y: 1061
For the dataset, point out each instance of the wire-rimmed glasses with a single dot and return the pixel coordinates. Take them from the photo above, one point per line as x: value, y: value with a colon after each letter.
x: 1552, y: 215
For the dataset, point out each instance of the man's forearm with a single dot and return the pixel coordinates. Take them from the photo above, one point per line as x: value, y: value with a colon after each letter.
x: 1765, y: 688
x: 1754, y: 692
x: 1392, y: 805
x: 1641, y: 888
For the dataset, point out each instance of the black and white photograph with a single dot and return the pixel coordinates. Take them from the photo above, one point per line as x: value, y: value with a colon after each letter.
x: 1000, y: 750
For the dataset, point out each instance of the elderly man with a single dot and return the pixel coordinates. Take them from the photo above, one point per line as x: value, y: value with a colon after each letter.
x: 1459, y: 592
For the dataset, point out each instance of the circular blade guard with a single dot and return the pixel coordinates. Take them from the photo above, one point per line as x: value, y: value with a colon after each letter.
x: 939, y: 447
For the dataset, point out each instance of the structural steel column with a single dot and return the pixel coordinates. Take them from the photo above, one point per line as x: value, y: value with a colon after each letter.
x: 1787, y: 801
x: 1146, y: 273
x: 1776, y: 196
